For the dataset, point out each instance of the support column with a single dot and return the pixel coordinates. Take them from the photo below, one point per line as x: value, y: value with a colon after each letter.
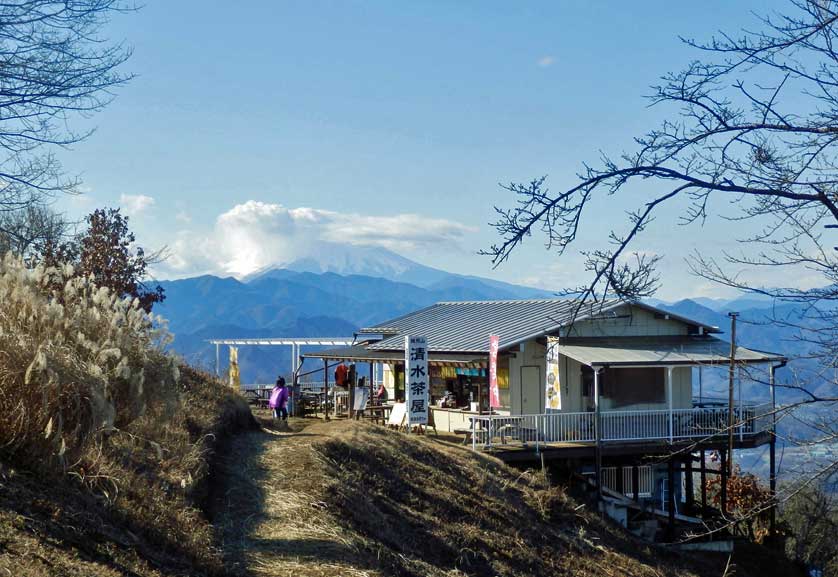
x: 372, y: 383
x: 670, y: 501
x: 703, y: 483
x: 669, y: 401
x: 772, y: 457
x: 597, y: 435
x: 350, y: 410
x: 325, y: 389
x: 619, y: 480
x: 217, y: 361
x: 635, y: 482
x: 689, y: 498
x: 724, y: 471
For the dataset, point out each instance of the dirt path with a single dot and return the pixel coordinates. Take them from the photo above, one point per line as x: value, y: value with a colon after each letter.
x: 271, y: 516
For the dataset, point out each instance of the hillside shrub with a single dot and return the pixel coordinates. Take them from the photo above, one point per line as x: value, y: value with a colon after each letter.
x: 76, y: 363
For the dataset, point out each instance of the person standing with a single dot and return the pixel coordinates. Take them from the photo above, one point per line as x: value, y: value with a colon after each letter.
x: 279, y: 400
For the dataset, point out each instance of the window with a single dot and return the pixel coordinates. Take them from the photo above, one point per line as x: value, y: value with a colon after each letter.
x: 634, y: 386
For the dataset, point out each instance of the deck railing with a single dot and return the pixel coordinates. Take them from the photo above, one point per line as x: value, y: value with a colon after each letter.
x: 617, y: 426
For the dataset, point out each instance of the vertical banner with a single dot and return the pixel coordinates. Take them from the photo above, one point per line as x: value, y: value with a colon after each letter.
x: 553, y: 396
x: 494, y: 393
x: 235, y: 378
x: 416, y: 379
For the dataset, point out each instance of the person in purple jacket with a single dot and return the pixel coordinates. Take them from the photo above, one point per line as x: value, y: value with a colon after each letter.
x: 279, y: 398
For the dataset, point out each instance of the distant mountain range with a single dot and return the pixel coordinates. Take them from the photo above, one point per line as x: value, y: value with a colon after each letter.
x: 343, y: 288
x: 333, y: 294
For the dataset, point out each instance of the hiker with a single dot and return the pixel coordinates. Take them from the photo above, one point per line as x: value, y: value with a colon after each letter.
x: 279, y: 397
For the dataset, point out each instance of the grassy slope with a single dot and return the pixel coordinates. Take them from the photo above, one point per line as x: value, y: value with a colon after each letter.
x: 354, y: 499
x: 139, y: 513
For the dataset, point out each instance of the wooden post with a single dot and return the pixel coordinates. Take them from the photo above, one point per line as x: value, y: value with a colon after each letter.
x: 723, y: 454
x: 597, y: 433
x: 703, y: 483
x: 325, y: 389
x: 689, y: 499
x: 670, y: 500
x: 635, y: 482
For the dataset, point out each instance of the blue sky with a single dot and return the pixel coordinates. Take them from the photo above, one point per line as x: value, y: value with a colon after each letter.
x: 285, y: 121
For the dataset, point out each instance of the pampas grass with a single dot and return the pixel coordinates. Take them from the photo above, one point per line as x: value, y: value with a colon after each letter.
x: 76, y: 363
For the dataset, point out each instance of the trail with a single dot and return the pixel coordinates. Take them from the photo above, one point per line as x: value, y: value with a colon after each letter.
x: 270, y: 518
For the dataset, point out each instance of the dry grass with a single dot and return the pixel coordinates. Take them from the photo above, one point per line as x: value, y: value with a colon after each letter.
x: 347, y: 498
x: 141, y: 514
x: 76, y: 361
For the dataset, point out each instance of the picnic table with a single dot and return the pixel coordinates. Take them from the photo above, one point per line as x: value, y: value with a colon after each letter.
x: 259, y: 396
x: 379, y: 413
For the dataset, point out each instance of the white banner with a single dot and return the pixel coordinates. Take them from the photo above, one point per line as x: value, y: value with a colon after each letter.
x: 416, y: 379
x: 553, y: 388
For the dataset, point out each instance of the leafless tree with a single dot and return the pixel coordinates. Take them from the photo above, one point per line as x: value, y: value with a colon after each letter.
x: 54, y: 64
x: 750, y: 131
x: 28, y: 231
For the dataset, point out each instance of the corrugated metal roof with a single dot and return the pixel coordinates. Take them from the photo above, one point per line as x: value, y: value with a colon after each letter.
x: 465, y: 326
x: 636, y: 351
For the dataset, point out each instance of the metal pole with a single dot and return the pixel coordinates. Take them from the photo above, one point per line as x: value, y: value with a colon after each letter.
x: 669, y: 401
x: 772, y: 462
x: 731, y: 374
x: 325, y: 389
x: 597, y: 436
x: 217, y: 361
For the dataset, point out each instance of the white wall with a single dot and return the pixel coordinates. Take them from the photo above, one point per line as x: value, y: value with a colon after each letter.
x: 630, y: 321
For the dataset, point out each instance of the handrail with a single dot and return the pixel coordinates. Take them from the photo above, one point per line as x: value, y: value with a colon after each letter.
x: 616, y: 426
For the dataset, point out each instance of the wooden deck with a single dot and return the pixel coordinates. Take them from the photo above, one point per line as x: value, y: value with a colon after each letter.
x: 576, y: 450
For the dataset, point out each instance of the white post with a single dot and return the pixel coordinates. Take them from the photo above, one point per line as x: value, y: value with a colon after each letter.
x: 597, y: 435
x: 669, y: 399
x: 217, y: 361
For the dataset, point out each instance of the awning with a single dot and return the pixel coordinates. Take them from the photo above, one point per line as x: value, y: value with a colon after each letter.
x: 361, y: 354
x: 651, y: 351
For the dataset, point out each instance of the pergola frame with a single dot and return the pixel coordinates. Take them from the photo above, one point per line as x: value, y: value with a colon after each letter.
x: 296, y: 345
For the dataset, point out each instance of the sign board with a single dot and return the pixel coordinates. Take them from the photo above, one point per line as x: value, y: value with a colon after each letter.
x: 494, y: 393
x: 553, y: 389
x: 397, y: 415
x: 362, y: 395
x: 416, y: 379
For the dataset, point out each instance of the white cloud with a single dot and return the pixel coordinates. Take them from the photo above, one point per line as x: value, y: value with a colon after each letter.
x: 546, y: 61
x: 256, y: 235
x: 184, y: 217
x: 135, y: 204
